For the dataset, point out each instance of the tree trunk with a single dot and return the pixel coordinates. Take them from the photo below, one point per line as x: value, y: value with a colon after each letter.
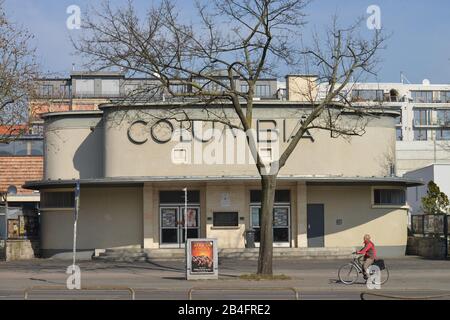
x: 268, y: 183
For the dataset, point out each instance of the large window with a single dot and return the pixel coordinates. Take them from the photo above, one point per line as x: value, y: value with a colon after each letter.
x: 46, y: 90
x: 443, y: 134
x: 445, y: 96
x: 389, y: 197
x: 57, y: 200
x: 22, y: 148
x: 85, y: 87
x: 421, y: 117
x: 422, y: 96
x: 420, y: 134
x: 262, y: 90
x: 110, y: 87
x: 367, y: 95
x: 443, y: 117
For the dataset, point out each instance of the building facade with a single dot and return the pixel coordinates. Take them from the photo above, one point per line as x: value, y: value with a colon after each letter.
x: 423, y: 129
x: 132, y: 173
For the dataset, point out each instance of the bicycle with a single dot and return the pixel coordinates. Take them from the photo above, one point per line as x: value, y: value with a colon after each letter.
x: 348, y: 273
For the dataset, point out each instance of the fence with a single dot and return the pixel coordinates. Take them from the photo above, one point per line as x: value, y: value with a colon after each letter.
x: 431, y: 226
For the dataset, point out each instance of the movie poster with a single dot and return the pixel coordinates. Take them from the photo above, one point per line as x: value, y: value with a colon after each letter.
x: 202, y: 256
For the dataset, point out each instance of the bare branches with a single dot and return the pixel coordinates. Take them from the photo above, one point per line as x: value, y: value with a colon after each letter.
x: 17, y: 73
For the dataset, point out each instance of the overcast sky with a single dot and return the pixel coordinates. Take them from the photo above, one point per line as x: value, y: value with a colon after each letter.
x: 419, y: 45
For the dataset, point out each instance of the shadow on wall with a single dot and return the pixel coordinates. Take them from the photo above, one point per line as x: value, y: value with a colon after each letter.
x: 348, y: 215
x: 88, y: 158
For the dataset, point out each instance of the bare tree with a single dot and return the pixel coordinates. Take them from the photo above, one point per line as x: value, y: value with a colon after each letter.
x: 18, y: 70
x: 246, y: 40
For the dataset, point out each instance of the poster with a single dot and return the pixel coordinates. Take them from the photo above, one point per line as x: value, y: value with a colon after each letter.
x: 202, y: 259
x: 168, y: 217
x: 202, y: 256
x: 191, y: 218
x: 13, y: 228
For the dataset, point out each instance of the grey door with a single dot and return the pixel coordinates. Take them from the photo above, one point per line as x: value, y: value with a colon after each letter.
x: 315, y: 224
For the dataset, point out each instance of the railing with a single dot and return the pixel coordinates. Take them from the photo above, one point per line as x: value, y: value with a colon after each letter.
x: 86, y: 288
x: 296, y: 295
x: 430, y: 224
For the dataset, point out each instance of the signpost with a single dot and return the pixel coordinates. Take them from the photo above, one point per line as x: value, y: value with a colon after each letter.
x: 75, y: 220
x: 202, y: 259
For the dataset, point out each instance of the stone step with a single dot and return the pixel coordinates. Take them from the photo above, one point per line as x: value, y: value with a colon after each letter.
x: 135, y: 254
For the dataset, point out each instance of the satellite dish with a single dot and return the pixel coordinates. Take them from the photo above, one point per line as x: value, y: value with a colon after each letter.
x: 12, y: 190
x: 426, y: 82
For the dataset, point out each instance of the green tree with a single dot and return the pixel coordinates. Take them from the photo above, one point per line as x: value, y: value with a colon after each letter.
x: 435, y: 202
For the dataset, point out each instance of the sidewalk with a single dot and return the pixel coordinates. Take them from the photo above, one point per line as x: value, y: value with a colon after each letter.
x: 411, y: 274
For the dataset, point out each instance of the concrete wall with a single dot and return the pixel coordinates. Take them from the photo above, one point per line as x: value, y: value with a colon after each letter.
x: 108, y: 218
x: 427, y: 247
x: 360, y: 156
x: 73, y: 147
x: 21, y: 250
x: 386, y: 225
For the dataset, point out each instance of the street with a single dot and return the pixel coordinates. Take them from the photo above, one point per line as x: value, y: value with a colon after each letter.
x: 410, y: 277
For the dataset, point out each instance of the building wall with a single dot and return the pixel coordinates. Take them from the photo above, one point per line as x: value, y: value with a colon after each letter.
x: 439, y: 173
x: 386, y: 225
x: 108, y: 218
x: 15, y: 170
x: 73, y: 148
x: 368, y: 155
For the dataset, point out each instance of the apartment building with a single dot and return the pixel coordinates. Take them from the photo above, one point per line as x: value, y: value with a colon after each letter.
x: 423, y: 129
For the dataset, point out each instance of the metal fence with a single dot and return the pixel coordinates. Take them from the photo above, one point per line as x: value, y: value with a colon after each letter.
x: 430, y: 224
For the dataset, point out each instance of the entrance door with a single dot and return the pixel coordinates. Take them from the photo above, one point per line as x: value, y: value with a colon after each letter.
x: 281, y: 225
x: 173, y: 228
x: 316, y: 225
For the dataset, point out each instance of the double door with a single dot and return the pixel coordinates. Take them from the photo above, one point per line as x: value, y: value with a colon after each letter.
x: 176, y: 225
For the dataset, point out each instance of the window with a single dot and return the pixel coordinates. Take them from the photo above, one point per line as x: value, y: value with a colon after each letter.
x: 421, y: 117
x: 420, y: 134
x: 177, y: 197
x: 65, y: 90
x: 443, y: 117
x: 46, y: 90
x: 445, y: 96
x: 110, y: 87
x: 389, y: 197
x: 443, y: 134
x: 281, y: 196
x: 58, y: 200
x: 225, y: 219
x: 367, y: 95
x: 84, y: 86
x: 244, y: 88
x: 422, y: 96
x: 178, y: 88
x: 22, y: 148
x: 399, y: 133
x: 262, y: 91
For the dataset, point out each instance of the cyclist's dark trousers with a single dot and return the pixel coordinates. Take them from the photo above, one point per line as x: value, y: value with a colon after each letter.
x: 367, y: 263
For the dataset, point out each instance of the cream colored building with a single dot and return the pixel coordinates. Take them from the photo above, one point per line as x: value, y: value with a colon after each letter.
x: 330, y: 193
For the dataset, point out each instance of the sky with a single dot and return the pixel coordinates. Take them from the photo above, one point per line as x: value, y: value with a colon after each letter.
x: 419, y: 45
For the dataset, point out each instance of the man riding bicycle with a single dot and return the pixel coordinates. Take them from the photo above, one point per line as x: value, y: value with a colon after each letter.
x: 370, y: 254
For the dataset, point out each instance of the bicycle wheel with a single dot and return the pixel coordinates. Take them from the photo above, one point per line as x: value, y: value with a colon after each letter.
x: 348, y: 274
x: 384, y: 277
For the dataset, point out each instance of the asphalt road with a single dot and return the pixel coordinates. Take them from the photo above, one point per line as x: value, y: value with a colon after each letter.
x: 411, y: 277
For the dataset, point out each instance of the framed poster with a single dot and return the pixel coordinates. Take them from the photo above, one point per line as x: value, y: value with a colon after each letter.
x: 169, y: 217
x: 13, y: 228
x: 202, y: 259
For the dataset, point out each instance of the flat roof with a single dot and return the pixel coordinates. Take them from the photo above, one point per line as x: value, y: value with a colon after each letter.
x: 310, y: 180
